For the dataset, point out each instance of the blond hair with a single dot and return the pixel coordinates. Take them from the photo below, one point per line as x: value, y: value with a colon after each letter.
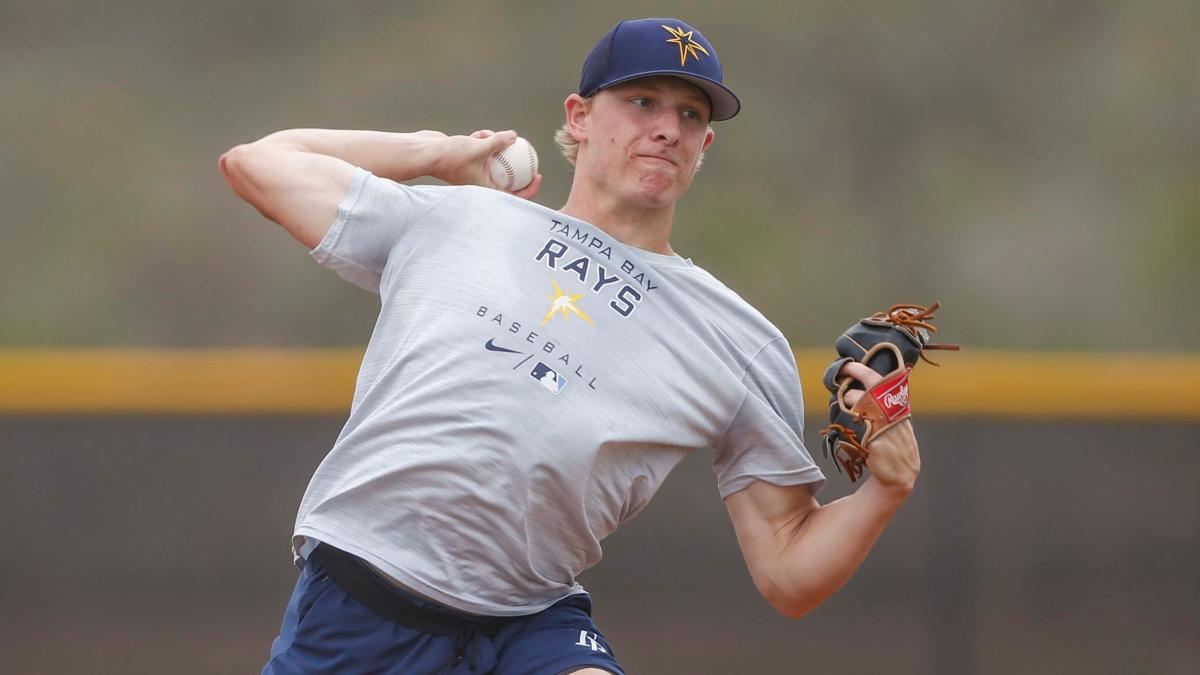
x: 567, y: 145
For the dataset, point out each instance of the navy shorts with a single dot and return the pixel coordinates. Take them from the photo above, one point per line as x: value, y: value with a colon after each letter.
x: 325, y: 630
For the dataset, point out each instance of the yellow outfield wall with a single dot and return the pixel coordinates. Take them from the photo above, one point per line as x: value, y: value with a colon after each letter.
x: 972, y: 383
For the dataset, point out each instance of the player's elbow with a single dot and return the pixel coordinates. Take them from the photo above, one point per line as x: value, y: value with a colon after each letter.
x: 249, y: 170
x: 231, y: 165
x: 791, y: 612
x: 791, y: 607
x: 238, y: 166
x: 795, y: 600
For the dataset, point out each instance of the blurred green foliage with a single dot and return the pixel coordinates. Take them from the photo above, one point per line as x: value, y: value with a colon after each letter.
x: 1033, y: 165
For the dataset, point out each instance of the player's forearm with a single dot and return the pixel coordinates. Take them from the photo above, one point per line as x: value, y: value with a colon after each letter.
x: 397, y: 156
x: 820, y: 555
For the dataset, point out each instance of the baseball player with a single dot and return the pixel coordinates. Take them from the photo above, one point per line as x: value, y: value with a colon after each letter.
x: 491, y: 444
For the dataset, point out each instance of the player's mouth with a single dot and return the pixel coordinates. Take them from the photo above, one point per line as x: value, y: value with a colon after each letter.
x: 656, y: 159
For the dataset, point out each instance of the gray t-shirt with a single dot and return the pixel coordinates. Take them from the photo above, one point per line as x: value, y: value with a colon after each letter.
x: 530, y: 383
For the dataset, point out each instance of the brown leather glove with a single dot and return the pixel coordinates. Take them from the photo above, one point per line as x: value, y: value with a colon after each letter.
x: 889, y: 343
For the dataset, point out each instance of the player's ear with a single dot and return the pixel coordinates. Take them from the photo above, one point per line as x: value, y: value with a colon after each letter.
x: 577, y: 108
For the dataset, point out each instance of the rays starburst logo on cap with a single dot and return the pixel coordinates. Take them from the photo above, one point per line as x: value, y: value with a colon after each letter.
x: 687, y: 46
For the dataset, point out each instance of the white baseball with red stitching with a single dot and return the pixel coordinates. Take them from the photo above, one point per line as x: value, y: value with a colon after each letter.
x: 514, y: 167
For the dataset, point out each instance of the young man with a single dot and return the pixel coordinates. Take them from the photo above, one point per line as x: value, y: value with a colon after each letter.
x: 493, y: 439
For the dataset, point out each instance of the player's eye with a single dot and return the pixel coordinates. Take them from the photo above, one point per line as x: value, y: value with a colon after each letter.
x: 691, y: 114
x: 640, y: 101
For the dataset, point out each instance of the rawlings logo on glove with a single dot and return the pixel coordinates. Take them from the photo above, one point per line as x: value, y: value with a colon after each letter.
x: 892, y: 396
x: 890, y: 344
x: 897, y: 400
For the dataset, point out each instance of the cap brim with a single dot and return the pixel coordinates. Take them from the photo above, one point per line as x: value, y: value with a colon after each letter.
x: 725, y: 103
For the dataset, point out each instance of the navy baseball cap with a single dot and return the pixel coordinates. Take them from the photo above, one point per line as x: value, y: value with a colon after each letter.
x: 645, y: 47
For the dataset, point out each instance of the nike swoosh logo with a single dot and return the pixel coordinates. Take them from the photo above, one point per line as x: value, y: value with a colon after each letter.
x: 491, y: 346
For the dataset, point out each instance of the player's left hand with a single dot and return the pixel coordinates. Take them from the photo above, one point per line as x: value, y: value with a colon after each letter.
x: 894, y: 459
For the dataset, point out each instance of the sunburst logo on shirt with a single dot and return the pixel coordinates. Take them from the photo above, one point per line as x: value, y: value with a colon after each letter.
x: 687, y: 46
x: 563, y: 303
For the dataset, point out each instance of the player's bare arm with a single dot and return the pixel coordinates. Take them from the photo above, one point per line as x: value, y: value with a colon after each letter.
x: 799, y: 552
x: 298, y: 177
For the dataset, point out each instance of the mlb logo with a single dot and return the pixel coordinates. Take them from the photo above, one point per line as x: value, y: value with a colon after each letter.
x: 548, y: 378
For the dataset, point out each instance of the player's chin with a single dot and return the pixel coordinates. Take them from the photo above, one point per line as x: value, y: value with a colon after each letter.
x: 657, y: 190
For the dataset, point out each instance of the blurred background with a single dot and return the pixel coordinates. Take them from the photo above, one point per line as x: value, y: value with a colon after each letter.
x: 1033, y: 165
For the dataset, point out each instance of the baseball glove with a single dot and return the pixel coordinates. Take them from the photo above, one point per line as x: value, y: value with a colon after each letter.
x: 889, y: 343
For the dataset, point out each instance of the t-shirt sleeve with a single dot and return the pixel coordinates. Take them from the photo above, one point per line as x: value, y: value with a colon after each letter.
x: 765, y: 439
x: 372, y: 219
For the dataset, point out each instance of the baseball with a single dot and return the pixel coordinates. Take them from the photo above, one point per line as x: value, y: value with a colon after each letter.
x: 514, y: 167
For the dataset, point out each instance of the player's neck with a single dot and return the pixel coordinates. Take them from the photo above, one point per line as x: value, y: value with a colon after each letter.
x: 646, y: 228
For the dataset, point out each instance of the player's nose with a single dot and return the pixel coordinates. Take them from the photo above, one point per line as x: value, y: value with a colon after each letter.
x: 667, y: 128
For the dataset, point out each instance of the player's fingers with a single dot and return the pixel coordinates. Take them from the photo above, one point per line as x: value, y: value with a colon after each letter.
x: 867, y: 377
x: 530, y: 191
x: 501, y: 140
x: 487, y: 142
x: 852, y: 396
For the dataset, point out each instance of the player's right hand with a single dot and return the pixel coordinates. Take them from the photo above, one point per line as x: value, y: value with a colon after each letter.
x: 463, y: 159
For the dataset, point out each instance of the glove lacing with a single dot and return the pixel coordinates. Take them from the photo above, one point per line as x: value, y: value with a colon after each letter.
x: 913, y: 319
x: 855, y: 455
